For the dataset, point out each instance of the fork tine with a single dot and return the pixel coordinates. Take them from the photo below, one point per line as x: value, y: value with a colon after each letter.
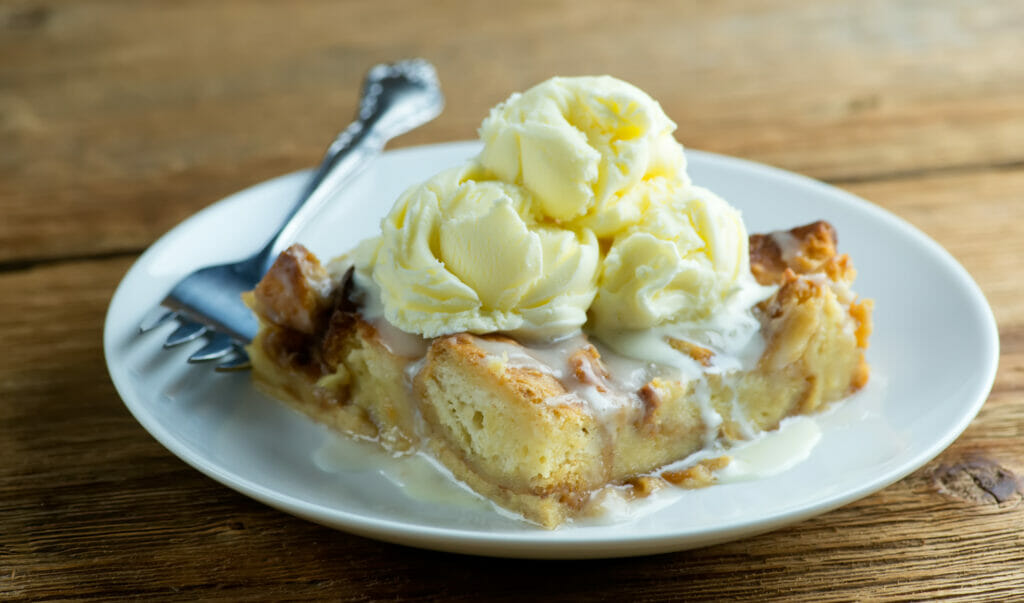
x: 156, y: 317
x: 186, y: 332
x: 238, y: 362
x: 220, y: 345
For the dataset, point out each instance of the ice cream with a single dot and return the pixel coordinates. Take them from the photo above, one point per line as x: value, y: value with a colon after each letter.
x: 678, y: 263
x: 592, y: 150
x: 465, y: 252
x: 577, y: 214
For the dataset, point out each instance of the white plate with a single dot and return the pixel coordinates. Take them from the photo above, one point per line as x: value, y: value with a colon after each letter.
x: 934, y: 353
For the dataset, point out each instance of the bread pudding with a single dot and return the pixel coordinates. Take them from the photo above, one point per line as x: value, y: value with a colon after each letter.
x: 515, y: 423
x: 566, y: 315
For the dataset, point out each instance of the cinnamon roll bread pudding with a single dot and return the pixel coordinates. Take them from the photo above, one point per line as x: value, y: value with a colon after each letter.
x: 566, y: 314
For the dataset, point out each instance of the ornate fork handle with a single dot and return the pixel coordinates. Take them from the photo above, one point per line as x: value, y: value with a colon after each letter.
x: 395, y: 98
x: 389, y: 106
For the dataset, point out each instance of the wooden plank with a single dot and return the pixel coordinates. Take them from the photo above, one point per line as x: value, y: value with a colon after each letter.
x: 149, y: 111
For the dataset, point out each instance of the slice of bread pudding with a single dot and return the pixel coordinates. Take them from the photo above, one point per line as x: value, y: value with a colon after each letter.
x: 544, y: 430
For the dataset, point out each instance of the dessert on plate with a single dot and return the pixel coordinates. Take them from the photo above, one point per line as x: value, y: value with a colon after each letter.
x: 566, y: 316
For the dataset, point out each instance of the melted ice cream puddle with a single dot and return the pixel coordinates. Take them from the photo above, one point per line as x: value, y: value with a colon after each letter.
x: 417, y: 475
x: 773, y: 452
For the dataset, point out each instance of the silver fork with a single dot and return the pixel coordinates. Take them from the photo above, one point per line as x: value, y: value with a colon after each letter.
x: 396, y: 98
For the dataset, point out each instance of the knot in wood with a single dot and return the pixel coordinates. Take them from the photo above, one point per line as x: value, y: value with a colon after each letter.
x: 977, y: 478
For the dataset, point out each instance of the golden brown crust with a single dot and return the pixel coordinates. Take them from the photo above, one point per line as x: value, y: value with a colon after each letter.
x: 804, y: 250
x: 701, y: 354
x: 651, y: 400
x: 588, y: 369
x: 291, y: 294
x: 643, y: 486
x: 698, y: 475
x: 343, y: 375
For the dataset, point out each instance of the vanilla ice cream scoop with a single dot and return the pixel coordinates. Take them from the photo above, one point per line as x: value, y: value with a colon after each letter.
x: 462, y: 252
x: 583, y: 146
x: 679, y: 263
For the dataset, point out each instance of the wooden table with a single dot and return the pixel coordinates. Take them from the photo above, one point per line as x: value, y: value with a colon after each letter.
x: 119, y: 119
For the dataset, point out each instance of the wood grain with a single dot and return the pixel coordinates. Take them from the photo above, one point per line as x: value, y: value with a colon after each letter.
x: 152, y: 110
x: 119, y: 119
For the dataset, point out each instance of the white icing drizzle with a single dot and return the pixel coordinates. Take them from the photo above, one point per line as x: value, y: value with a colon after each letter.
x: 746, y: 428
x: 538, y: 359
x: 732, y: 334
x: 397, y: 341
x: 708, y: 415
x: 604, y: 396
x: 789, y: 246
